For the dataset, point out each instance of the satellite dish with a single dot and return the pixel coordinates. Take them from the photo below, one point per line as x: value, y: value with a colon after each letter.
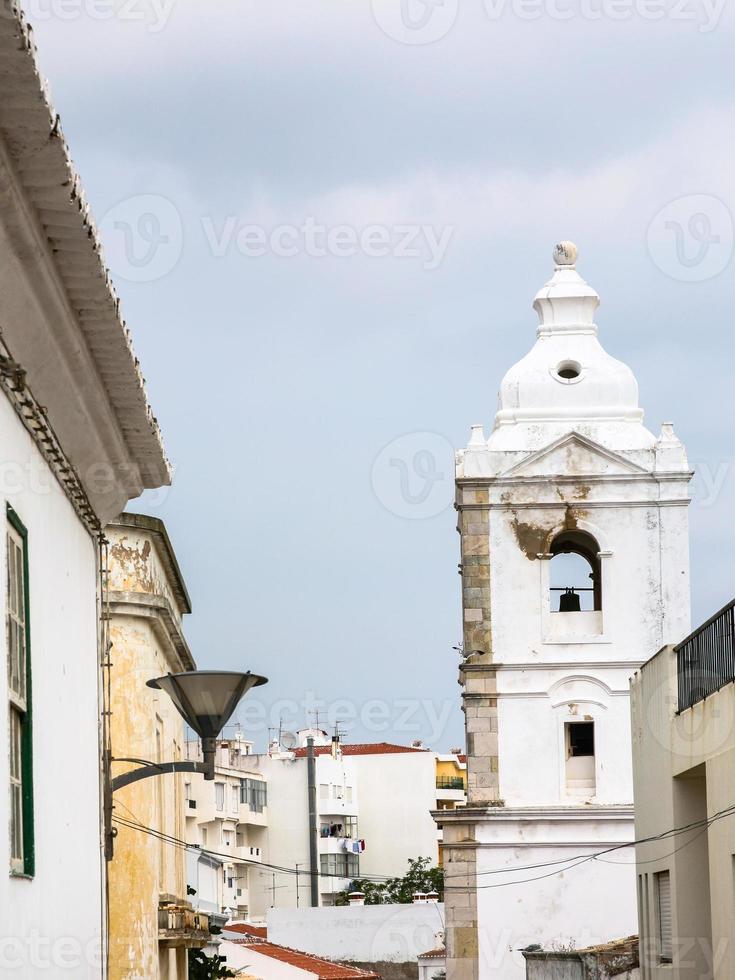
x: 289, y: 740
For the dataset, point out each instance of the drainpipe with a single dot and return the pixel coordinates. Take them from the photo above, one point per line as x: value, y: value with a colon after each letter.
x: 313, y: 851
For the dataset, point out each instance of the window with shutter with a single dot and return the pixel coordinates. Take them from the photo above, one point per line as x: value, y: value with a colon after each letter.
x: 17, y: 638
x: 663, y: 893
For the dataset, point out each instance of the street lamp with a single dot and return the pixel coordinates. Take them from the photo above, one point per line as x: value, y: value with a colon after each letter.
x: 205, y: 699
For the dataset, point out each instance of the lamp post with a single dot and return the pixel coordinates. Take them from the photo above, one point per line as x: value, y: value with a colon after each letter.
x: 205, y: 699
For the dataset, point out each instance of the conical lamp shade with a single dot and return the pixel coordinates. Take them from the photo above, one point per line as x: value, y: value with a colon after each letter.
x: 206, y: 699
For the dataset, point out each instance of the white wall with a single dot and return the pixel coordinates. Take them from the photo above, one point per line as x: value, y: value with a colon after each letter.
x: 55, y: 919
x: 582, y: 907
x: 362, y: 933
x: 397, y: 795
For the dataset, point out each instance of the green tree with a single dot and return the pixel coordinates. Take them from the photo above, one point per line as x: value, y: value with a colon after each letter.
x: 420, y: 877
x: 203, y: 967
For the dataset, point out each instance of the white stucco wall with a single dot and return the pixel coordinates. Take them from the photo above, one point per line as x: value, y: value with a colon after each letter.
x: 362, y: 934
x: 51, y: 925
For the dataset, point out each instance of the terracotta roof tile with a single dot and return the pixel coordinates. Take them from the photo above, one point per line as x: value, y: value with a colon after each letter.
x: 433, y: 954
x: 247, y: 930
x: 324, y: 969
x: 374, y: 748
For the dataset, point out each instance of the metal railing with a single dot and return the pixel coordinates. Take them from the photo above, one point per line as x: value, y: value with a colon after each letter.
x: 706, y: 658
x: 176, y: 918
x: 450, y: 782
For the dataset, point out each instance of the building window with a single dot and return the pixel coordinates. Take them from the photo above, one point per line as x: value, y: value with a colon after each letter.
x: 340, y: 865
x: 579, y: 737
x: 575, y: 575
x: 323, y: 791
x: 219, y: 796
x: 663, y: 902
x: 254, y: 792
x: 17, y: 631
x: 348, y: 794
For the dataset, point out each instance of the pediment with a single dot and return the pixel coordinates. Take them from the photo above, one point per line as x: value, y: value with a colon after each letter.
x: 574, y: 455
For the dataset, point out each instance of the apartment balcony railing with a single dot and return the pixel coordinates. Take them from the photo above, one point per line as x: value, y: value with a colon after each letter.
x: 706, y: 658
x: 182, y: 926
x: 450, y: 782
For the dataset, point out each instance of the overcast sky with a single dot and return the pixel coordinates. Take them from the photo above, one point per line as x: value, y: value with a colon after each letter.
x: 303, y: 363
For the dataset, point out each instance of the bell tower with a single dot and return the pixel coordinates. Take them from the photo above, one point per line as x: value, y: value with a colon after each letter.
x: 575, y: 570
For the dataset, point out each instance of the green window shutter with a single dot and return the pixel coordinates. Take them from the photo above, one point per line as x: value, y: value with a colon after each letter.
x: 26, y: 735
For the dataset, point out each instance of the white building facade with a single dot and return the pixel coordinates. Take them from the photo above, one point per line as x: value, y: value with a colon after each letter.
x: 373, y: 815
x: 227, y: 820
x: 78, y: 441
x: 573, y: 522
x: 683, y: 706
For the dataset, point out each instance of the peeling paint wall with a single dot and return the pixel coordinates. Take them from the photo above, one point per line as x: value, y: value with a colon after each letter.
x: 145, y: 725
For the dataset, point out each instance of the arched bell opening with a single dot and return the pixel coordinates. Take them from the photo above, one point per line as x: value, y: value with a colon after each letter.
x: 575, y: 573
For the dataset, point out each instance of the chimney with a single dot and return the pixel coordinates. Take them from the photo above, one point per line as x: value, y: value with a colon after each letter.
x: 356, y: 898
x: 419, y: 898
x: 433, y: 897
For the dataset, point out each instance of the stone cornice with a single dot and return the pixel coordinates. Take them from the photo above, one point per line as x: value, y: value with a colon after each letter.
x: 157, y: 610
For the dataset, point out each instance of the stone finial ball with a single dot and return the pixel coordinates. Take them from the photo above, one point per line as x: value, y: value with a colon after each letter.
x: 565, y: 253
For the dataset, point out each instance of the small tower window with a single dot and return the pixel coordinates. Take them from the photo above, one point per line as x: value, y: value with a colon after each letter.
x: 580, y: 758
x: 576, y: 580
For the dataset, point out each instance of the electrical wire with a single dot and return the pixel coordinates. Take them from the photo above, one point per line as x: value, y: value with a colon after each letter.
x: 570, y: 862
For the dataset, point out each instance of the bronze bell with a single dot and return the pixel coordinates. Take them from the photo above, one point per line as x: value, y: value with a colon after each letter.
x: 569, y: 601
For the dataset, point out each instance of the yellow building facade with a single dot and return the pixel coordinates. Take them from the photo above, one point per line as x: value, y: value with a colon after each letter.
x: 151, y: 923
x: 451, y: 785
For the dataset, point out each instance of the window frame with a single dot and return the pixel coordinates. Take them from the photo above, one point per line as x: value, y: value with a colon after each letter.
x: 665, y: 940
x: 22, y: 707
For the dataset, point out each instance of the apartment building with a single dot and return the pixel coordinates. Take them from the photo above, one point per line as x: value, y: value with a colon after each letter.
x: 227, y: 821
x: 373, y: 815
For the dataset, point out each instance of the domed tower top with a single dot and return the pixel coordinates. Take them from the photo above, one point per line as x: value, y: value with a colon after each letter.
x: 568, y: 381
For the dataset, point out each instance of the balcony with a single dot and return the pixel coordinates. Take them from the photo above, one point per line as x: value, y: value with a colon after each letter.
x: 450, y: 789
x: 250, y: 817
x: 706, y: 658
x: 247, y: 854
x: 450, y: 782
x: 181, y: 926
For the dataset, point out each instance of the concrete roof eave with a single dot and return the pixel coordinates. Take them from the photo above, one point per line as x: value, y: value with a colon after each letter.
x: 70, y: 336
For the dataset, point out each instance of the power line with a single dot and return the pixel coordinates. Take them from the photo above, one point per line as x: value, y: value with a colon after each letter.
x: 569, y: 862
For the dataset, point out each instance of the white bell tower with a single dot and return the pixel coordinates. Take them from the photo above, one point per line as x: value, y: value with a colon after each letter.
x: 575, y: 570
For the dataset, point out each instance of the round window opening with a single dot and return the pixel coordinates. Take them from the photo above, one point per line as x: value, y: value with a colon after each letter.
x: 569, y: 370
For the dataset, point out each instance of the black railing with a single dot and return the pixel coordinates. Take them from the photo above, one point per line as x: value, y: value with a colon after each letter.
x: 706, y: 659
x: 450, y: 782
